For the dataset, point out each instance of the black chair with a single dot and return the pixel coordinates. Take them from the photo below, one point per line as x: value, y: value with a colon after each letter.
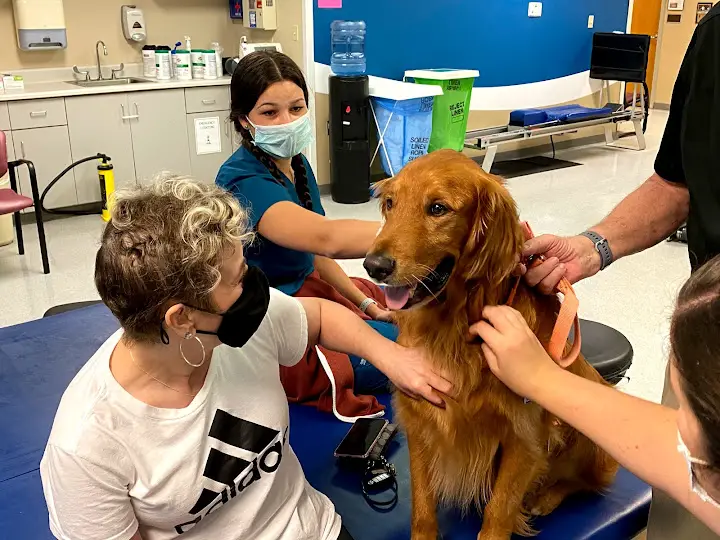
x: 62, y: 308
x: 606, y: 349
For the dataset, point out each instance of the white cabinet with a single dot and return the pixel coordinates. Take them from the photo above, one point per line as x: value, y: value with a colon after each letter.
x: 206, y: 166
x: 49, y: 150
x: 100, y: 124
x: 4, y: 117
x: 159, y: 133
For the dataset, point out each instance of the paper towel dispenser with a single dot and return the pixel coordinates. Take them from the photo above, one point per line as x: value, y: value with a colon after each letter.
x: 40, y: 24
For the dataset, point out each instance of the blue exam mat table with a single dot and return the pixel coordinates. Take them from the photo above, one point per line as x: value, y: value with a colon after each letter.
x: 39, y: 358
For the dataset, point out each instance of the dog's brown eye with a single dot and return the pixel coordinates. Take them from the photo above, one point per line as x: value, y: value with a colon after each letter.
x: 388, y: 204
x: 437, y: 209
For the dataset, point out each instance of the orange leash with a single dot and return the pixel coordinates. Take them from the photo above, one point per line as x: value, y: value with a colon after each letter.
x: 567, y: 318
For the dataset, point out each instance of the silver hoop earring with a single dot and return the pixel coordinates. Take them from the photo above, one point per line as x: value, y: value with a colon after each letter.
x: 188, y: 335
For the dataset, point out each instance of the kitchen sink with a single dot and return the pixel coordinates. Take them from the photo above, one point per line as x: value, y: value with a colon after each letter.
x: 110, y: 82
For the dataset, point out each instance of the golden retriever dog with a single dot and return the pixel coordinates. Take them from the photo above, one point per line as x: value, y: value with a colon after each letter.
x: 448, y: 247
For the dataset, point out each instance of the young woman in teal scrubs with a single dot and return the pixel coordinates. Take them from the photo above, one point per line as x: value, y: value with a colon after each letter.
x: 296, y: 244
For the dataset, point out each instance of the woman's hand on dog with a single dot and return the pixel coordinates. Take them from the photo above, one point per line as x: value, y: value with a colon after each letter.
x: 573, y: 257
x: 512, y: 351
x: 412, y: 373
x: 377, y: 313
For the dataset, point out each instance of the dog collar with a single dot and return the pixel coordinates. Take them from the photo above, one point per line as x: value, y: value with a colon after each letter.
x: 567, y: 318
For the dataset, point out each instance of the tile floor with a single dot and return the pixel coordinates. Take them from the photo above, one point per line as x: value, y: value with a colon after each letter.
x: 635, y: 295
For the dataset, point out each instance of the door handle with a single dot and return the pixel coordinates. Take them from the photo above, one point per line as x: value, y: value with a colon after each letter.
x: 22, y: 149
x: 38, y: 114
x: 126, y: 117
x: 208, y: 102
x: 137, y: 110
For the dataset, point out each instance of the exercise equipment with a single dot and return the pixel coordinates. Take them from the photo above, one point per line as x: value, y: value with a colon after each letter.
x: 39, y: 361
x: 615, y: 57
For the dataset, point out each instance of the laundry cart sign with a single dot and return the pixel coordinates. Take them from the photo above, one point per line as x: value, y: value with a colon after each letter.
x: 450, y: 114
x: 403, y: 114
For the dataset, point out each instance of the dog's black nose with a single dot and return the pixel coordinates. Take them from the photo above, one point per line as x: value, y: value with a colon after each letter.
x: 380, y: 267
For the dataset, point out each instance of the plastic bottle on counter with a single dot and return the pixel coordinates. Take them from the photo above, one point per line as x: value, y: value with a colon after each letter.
x: 198, y: 63
x: 149, y: 69
x: 218, y: 58
x: 162, y: 63
x: 210, y: 64
x: 183, y: 65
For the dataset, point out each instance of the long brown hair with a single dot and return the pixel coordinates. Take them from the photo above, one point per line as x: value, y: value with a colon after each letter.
x: 695, y: 343
x: 253, y: 75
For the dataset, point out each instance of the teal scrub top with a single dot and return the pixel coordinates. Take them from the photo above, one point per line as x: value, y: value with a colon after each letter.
x: 252, y: 184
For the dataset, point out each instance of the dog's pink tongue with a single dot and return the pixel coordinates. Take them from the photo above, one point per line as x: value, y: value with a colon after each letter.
x: 397, y: 297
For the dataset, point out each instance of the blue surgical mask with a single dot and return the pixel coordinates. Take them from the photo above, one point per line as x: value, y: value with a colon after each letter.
x: 284, y: 141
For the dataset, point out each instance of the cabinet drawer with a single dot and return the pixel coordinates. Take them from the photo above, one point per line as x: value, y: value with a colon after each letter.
x: 211, y: 98
x: 4, y: 117
x: 37, y: 113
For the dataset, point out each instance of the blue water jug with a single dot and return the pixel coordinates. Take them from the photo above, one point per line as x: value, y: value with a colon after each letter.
x: 348, y: 48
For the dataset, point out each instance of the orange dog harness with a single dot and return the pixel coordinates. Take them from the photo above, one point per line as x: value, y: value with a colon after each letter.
x: 567, y: 318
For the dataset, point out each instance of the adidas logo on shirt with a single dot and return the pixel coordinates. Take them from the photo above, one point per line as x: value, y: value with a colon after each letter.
x: 236, y: 473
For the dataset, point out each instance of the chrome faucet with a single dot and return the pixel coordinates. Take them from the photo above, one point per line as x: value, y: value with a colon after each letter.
x: 97, y: 53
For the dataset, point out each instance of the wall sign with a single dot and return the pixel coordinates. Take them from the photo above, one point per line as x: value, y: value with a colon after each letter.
x: 676, y: 5
x: 702, y: 10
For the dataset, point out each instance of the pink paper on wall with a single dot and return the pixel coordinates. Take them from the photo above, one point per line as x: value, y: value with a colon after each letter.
x: 329, y: 4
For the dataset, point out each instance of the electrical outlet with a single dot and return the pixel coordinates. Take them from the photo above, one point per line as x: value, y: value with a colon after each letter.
x: 591, y: 21
x: 296, y: 31
x: 535, y: 9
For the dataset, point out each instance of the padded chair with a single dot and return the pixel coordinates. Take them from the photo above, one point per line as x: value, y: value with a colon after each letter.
x: 11, y: 202
x: 606, y: 349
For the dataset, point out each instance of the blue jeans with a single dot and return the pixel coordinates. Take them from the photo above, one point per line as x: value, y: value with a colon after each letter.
x: 368, y: 378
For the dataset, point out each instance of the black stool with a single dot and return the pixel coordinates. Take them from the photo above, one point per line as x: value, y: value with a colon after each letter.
x: 607, y: 350
x: 62, y: 308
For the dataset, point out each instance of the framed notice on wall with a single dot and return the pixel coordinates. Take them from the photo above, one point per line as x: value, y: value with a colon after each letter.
x: 702, y: 10
x: 676, y: 5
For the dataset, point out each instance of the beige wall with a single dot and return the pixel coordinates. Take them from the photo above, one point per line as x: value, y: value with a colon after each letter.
x: 477, y: 120
x: 167, y: 22
x: 675, y: 38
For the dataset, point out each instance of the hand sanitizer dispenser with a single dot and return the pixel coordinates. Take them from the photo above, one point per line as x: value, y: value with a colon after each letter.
x: 40, y: 24
x: 133, y: 23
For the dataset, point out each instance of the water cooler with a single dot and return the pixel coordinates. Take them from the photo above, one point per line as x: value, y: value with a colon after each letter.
x: 349, y: 139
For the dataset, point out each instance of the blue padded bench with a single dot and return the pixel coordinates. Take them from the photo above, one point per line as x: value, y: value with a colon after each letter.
x: 39, y: 358
x: 562, y: 114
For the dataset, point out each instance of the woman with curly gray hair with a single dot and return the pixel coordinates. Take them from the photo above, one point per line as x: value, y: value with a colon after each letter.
x: 177, y: 426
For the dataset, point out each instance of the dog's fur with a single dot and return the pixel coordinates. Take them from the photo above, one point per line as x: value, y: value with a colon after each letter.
x: 487, y: 447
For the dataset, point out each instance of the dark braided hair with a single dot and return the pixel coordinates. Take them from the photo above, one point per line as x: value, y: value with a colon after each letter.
x: 253, y: 75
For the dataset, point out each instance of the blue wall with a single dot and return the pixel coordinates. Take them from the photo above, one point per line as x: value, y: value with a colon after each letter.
x: 494, y: 36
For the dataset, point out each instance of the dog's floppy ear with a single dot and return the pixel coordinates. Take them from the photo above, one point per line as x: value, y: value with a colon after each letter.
x: 495, y: 237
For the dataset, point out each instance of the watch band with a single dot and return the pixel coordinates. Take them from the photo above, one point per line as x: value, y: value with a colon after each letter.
x: 365, y: 304
x: 602, y: 247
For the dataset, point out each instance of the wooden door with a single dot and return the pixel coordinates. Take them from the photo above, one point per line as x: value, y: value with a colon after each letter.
x: 646, y: 20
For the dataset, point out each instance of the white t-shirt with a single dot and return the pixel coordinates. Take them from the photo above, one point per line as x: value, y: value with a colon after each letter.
x: 219, y: 469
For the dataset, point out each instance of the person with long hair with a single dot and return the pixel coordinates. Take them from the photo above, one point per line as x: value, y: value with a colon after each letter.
x: 675, y: 450
x: 177, y: 427
x: 296, y: 244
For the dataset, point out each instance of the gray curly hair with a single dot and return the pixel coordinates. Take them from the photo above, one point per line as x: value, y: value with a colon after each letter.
x: 165, y: 243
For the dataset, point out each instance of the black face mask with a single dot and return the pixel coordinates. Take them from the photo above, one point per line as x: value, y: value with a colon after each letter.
x: 243, y: 318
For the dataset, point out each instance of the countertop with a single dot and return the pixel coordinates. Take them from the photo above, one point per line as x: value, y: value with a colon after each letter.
x: 66, y: 89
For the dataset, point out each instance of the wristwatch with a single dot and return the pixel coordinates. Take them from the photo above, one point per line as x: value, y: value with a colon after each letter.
x: 602, y: 247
